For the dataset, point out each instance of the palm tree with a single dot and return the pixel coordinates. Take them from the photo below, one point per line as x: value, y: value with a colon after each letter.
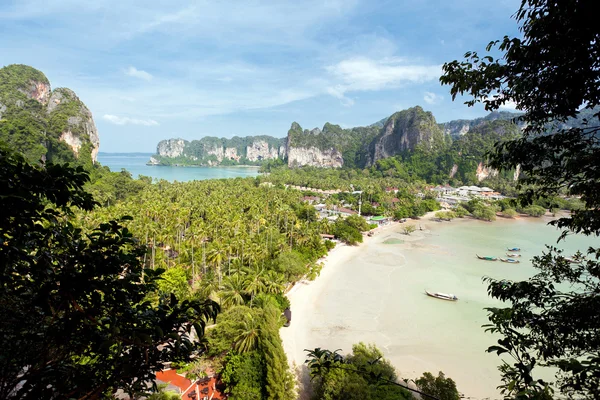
x: 256, y: 281
x: 274, y: 282
x: 233, y: 292
x: 248, y: 336
x: 215, y: 256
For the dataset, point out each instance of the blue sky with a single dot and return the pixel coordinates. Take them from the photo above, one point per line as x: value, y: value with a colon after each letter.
x: 155, y: 69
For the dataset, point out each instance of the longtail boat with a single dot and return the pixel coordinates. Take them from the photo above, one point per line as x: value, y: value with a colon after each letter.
x: 573, y: 260
x: 510, y: 260
x: 513, y: 255
x: 443, y: 296
x: 487, y: 258
x: 514, y: 249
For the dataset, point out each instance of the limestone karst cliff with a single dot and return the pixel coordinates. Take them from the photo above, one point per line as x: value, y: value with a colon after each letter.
x: 211, y: 151
x: 459, y: 127
x: 44, y: 124
x: 403, y: 131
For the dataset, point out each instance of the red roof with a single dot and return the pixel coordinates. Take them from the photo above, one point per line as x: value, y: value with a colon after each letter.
x: 346, y: 210
x: 395, y: 200
x: 203, y: 387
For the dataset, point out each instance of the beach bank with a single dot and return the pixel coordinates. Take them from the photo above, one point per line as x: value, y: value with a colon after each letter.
x: 374, y: 293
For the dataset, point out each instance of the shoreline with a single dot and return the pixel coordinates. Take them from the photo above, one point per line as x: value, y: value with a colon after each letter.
x: 202, y: 166
x: 302, y: 301
x: 305, y: 295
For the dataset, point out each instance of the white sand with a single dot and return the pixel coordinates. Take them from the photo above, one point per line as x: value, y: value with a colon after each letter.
x: 341, y: 308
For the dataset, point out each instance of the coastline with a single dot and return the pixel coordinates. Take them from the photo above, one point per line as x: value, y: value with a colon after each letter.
x: 202, y: 166
x: 316, y: 323
x: 304, y: 293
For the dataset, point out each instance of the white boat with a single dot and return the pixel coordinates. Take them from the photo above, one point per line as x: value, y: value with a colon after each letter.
x: 443, y: 296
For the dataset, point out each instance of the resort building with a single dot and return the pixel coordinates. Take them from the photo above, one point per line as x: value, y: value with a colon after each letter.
x: 451, y: 197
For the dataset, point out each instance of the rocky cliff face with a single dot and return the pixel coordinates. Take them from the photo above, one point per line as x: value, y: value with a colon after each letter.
x: 214, y: 151
x: 314, y: 148
x: 62, y: 129
x: 460, y: 127
x: 403, y: 131
x: 37, y: 90
x: 171, y: 148
x: 314, y: 157
x: 334, y: 147
x: 260, y: 150
x: 79, y: 127
x: 483, y: 172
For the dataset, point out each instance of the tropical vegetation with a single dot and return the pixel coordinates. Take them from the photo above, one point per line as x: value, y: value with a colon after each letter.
x: 78, y: 316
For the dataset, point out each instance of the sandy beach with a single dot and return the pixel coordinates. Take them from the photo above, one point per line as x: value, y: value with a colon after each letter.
x: 374, y: 293
x: 305, y: 295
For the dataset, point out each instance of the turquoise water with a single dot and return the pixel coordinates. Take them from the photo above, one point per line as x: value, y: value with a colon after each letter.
x: 136, y: 164
x: 377, y: 296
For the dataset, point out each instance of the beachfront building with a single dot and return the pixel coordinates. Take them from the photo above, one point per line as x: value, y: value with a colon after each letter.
x: 443, y: 190
x: 452, y: 201
x: 334, y: 213
x: 345, y: 212
x: 380, y: 220
x: 448, y: 196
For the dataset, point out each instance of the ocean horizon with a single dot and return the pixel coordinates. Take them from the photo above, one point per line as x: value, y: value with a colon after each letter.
x: 135, y: 163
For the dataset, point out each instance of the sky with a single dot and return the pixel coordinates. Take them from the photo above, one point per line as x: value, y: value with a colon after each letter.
x: 157, y: 69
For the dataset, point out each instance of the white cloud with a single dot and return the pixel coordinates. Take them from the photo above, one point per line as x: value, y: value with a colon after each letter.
x: 338, y: 92
x: 432, y: 98
x: 509, y: 105
x: 138, y: 73
x: 129, y: 121
x: 365, y: 74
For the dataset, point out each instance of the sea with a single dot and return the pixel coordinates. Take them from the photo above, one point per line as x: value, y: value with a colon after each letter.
x: 378, y: 296
x: 135, y: 163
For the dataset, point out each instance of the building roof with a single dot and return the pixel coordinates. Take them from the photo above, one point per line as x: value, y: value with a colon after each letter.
x: 346, y: 210
x: 378, y: 218
x: 205, y: 387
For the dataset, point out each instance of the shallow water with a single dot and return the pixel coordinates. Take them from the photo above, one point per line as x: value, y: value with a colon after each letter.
x: 378, y: 296
x: 136, y: 164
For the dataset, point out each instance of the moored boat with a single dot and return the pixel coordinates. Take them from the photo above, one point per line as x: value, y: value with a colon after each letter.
x: 514, y: 249
x: 573, y: 260
x: 513, y: 255
x: 487, y: 258
x: 443, y: 296
x: 510, y: 260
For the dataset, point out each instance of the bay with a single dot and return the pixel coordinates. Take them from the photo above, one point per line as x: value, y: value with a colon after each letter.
x: 375, y: 293
x: 135, y: 163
